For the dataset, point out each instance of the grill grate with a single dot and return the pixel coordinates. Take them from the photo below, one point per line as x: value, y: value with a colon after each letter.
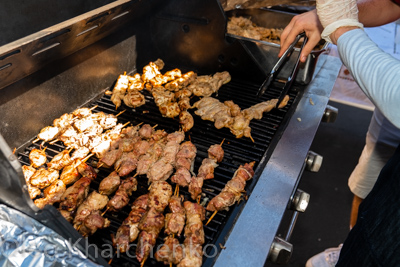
x: 203, y: 135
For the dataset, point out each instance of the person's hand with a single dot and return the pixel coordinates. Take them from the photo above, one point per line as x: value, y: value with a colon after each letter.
x: 307, y: 22
x: 335, y: 14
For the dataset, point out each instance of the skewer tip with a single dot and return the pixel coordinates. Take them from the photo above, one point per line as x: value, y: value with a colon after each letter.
x: 223, y: 142
x: 34, y: 141
x: 212, y: 216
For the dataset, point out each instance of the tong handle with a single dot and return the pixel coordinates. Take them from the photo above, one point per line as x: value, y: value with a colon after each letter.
x: 292, y: 76
x: 275, y: 69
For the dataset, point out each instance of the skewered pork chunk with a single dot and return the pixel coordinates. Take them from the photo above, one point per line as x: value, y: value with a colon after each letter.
x: 87, y: 170
x: 93, y: 222
x: 187, y: 150
x: 216, y: 153
x: 159, y: 195
x: 129, y: 231
x: 195, y: 187
x: 75, y: 194
x: 43, y: 178
x: 37, y: 157
x: 162, y: 96
x: 181, y: 177
x: 94, y: 201
x: 233, y: 190
x: 60, y: 160
x: 147, y: 241
x: 160, y: 171
x: 52, y: 194
x: 146, y: 131
x: 194, y: 235
x: 206, y: 170
x: 171, y: 252
x: 109, y: 184
x: 175, y: 221
x: 28, y: 172
x: 126, y: 163
x: 177, y: 137
x: 121, y: 197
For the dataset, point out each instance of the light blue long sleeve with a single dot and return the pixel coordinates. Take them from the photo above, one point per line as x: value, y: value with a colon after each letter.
x: 377, y: 73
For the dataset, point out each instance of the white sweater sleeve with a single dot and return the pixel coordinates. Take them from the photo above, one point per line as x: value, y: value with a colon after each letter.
x: 377, y: 73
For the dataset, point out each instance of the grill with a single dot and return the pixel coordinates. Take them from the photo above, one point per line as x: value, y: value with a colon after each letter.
x: 281, y: 139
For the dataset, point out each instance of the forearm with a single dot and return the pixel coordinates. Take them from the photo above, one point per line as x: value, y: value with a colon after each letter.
x: 373, y: 13
x: 377, y: 73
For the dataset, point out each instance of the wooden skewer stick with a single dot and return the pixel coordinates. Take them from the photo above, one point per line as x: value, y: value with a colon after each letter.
x: 251, y: 138
x: 120, y: 113
x: 42, y: 144
x: 69, y: 150
x: 155, y: 126
x: 104, y: 212
x: 126, y: 124
x: 34, y: 141
x: 139, y: 124
x: 222, y: 142
x: 93, y: 107
x: 142, y: 263
x: 109, y: 262
x: 15, y: 149
x: 53, y: 142
x: 176, y: 193
x: 212, y: 216
x: 87, y: 157
x: 101, y: 164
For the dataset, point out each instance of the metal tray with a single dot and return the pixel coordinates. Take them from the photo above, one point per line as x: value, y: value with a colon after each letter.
x: 265, y: 54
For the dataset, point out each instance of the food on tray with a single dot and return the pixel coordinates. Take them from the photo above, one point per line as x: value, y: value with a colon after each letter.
x: 245, y: 27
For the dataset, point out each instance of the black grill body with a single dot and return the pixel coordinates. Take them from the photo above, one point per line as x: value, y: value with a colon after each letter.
x: 189, y: 35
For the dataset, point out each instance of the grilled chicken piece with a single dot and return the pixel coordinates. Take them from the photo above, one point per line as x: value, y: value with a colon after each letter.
x: 162, y: 96
x: 80, y: 153
x: 169, y: 110
x: 109, y: 184
x: 184, y: 103
x: 70, y: 173
x: 152, y: 70
x: 160, y: 171
x: 37, y: 157
x: 129, y: 230
x: 75, y: 194
x: 28, y: 172
x: 82, y: 112
x: 177, y: 137
x: 135, y: 83
x: 121, y: 197
x: 183, y: 94
x: 186, y: 155
x: 43, y: 178
x: 119, y: 90
x: 60, y: 160
x: 48, y: 133
x: 181, y: 82
x: 134, y: 99
x: 93, y: 222
x: 207, y: 85
x: 64, y: 121
x: 52, y: 194
x: 256, y: 111
x: 240, y: 127
x: 216, y: 152
x: 196, y: 187
x: 160, y: 192
x: 171, y: 252
x: 130, y: 132
x: 186, y: 120
x: 94, y: 201
x: 181, y: 177
x: 235, y: 110
x: 233, y: 190
x: 175, y: 221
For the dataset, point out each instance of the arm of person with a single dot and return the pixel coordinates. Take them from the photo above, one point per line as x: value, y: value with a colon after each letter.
x: 372, y: 13
x: 376, y: 72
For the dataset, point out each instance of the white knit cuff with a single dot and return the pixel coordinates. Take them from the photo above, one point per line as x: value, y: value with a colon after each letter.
x: 337, y: 24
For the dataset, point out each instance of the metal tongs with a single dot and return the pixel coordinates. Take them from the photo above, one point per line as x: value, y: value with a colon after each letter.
x: 275, y: 70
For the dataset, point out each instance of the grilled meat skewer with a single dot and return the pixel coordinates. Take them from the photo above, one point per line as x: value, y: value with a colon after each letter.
x: 52, y: 194
x: 121, y: 197
x: 37, y: 157
x: 28, y: 172
x: 129, y: 230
